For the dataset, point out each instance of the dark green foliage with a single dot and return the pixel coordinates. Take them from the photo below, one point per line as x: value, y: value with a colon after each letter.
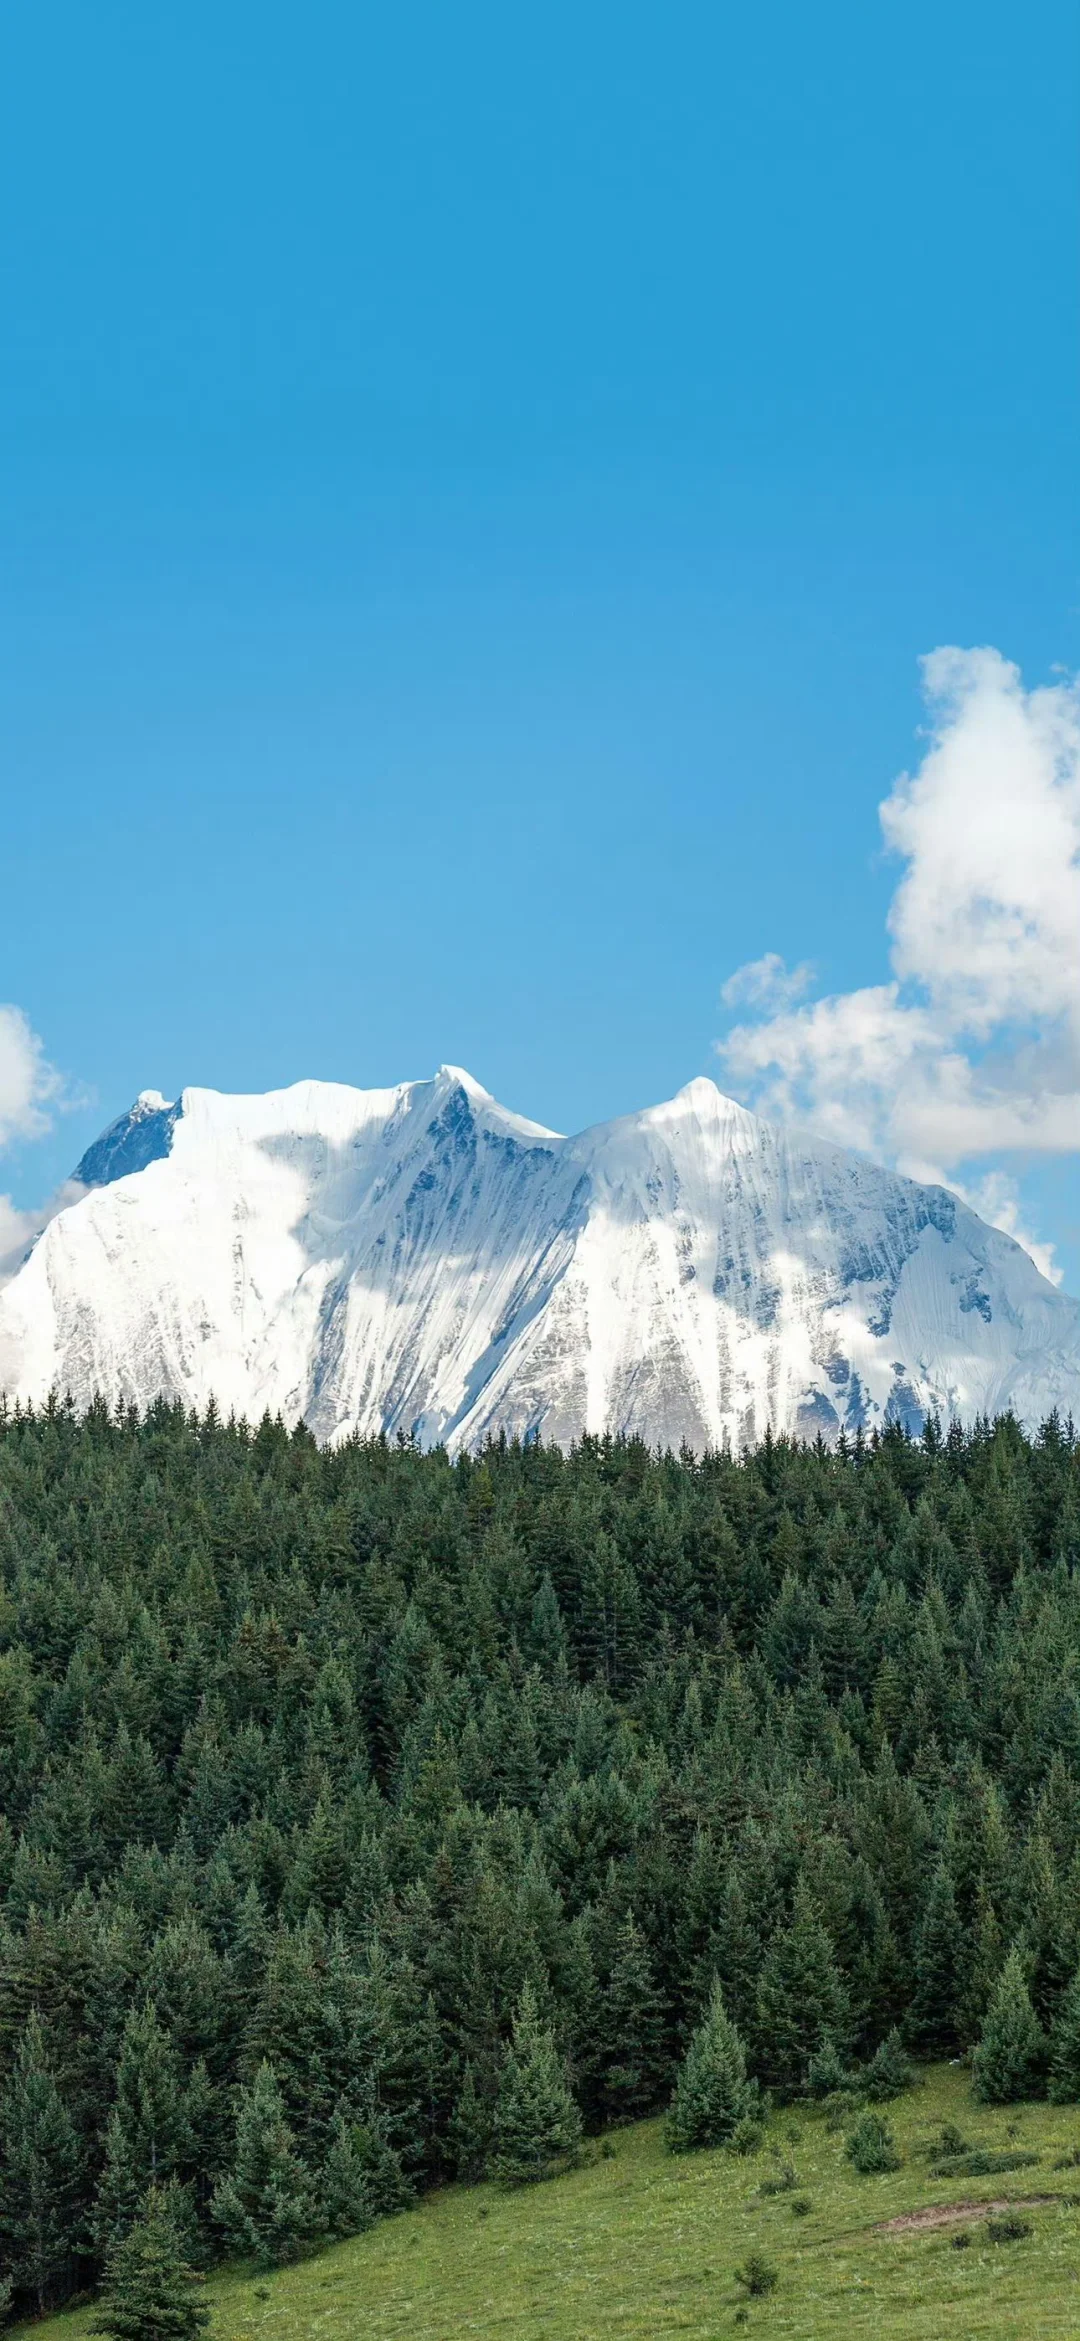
x: 39, y: 2173
x: 801, y: 1999
x: 470, y: 2130
x: 712, y: 2096
x: 889, y: 2071
x: 931, y: 2022
x: 265, y: 2207
x: 827, y: 2071
x: 1009, y: 2227
x: 344, y: 2191
x: 537, y: 2128
x: 150, y: 2291
x: 153, y: 2129
x: 318, y: 1757
x: 980, y: 2163
x: 1065, y: 2048
x: 635, y: 2062
x: 757, y: 2275
x: 1010, y: 2059
x: 951, y: 2140
x: 871, y: 2146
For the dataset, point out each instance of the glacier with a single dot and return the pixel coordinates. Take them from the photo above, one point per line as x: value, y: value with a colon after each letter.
x: 418, y: 1259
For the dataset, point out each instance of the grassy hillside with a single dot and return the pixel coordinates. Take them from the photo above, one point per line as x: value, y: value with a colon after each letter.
x: 643, y: 2244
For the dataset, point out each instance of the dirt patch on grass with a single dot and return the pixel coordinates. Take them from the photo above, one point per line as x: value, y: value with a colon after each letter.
x: 947, y: 2214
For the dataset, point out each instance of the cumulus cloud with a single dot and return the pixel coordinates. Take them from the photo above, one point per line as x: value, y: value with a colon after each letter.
x: 28, y: 1083
x: 972, y: 1049
x: 31, y: 1089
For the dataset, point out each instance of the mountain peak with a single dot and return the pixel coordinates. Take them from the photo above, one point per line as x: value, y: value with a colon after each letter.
x: 419, y: 1259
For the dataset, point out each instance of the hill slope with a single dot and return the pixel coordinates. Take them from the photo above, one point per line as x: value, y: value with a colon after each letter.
x: 419, y: 1259
x: 645, y: 2245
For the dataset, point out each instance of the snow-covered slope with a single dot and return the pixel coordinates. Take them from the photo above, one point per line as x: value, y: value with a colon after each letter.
x: 418, y: 1258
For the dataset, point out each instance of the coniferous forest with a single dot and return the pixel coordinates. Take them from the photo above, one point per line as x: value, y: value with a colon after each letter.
x: 370, y: 1819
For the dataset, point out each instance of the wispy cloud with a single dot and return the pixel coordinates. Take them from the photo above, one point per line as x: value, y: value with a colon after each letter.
x: 31, y: 1092
x: 972, y: 1049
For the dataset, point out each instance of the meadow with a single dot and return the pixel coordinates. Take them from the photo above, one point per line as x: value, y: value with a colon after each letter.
x: 639, y: 2243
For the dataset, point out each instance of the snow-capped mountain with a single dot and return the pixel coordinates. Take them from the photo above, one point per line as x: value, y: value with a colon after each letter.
x: 418, y: 1258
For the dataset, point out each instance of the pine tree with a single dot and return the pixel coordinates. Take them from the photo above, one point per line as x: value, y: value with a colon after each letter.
x: 801, y: 1999
x: 1065, y: 2048
x: 265, y: 2207
x: 826, y: 2070
x: 889, y: 2071
x: 470, y: 2130
x: 149, y: 2288
x: 931, y: 2020
x: 1010, y: 2060
x: 712, y: 2093
x: 635, y: 2061
x: 153, y: 2129
x: 39, y: 2173
x: 344, y: 2194
x: 537, y: 2127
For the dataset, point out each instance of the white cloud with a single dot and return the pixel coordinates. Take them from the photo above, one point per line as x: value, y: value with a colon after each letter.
x: 28, y: 1083
x: 973, y: 1049
x: 767, y: 983
x: 29, y: 1088
x: 20, y: 1229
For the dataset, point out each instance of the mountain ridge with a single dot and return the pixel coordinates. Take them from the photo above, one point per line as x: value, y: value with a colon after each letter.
x: 420, y: 1258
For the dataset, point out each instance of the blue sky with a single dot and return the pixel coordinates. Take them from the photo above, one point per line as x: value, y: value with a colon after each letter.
x: 477, y: 486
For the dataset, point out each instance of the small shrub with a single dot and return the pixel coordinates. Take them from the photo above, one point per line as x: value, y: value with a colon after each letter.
x: 794, y: 2134
x: 961, y: 2241
x: 826, y: 2072
x: 782, y: 2181
x: 1009, y: 2228
x: 951, y: 2141
x: 748, y: 2137
x: 607, y: 2150
x: 889, y: 2071
x: 871, y: 2147
x: 980, y: 2164
x: 757, y: 2275
x: 1069, y: 2161
x: 801, y: 2206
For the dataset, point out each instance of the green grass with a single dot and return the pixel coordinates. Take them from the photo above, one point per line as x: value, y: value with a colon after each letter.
x: 645, y: 2245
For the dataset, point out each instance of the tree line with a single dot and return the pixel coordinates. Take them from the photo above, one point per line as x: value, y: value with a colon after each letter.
x: 369, y: 1819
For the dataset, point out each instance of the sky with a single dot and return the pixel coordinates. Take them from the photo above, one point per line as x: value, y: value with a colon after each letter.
x: 547, y: 541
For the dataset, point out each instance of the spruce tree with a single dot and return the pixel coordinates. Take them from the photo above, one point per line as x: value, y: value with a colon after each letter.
x: 939, y: 1945
x: 265, y: 2206
x: 635, y: 2061
x: 470, y: 2130
x: 889, y: 2071
x: 149, y: 2288
x: 801, y: 1999
x: 39, y: 2174
x: 152, y: 2132
x: 537, y: 2127
x: 1010, y: 2060
x: 344, y: 2194
x: 1065, y: 2048
x: 712, y: 2093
